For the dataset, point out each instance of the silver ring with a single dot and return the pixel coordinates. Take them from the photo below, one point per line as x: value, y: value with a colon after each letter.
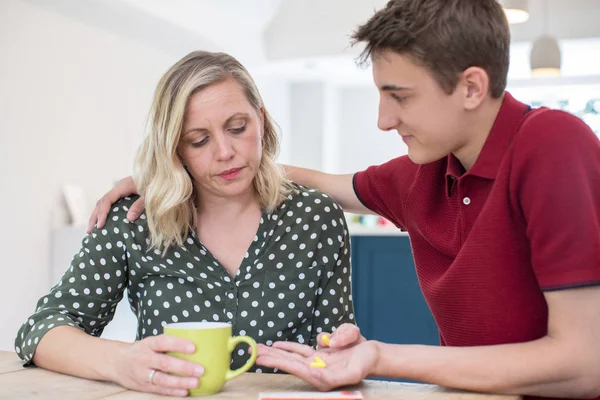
x: 151, y: 376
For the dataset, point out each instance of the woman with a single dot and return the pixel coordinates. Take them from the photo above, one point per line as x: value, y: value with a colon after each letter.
x: 224, y: 238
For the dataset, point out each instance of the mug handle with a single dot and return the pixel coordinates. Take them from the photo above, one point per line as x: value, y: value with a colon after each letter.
x: 234, y: 341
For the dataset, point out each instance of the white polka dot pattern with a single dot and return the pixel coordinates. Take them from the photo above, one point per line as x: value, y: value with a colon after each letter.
x: 294, y: 282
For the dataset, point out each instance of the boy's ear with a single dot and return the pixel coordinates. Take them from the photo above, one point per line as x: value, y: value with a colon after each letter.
x: 475, y: 82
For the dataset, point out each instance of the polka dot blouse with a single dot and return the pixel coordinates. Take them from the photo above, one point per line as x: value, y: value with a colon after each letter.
x: 293, y: 282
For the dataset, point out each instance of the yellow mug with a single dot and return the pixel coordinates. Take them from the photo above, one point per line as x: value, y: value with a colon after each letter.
x: 214, y: 345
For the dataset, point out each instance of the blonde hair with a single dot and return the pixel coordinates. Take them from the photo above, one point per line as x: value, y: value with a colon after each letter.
x: 159, y: 173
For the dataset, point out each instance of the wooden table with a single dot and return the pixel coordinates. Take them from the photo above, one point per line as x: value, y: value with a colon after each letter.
x: 17, y: 382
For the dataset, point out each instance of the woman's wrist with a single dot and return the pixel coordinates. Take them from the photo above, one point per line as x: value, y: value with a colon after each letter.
x: 111, y: 355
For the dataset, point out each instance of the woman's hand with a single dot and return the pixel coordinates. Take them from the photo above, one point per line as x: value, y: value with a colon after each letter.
x: 134, y: 363
x: 123, y: 188
x: 343, y: 367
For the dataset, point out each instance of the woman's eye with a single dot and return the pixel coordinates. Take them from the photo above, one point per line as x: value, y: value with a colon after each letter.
x: 200, y: 143
x: 238, y: 129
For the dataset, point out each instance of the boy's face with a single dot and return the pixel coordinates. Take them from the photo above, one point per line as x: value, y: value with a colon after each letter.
x: 431, y: 122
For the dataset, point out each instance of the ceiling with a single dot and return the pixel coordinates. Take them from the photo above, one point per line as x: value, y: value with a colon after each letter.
x: 303, y: 36
x: 227, y: 23
x: 308, y: 38
x: 564, y: 19
x: 304, y: 28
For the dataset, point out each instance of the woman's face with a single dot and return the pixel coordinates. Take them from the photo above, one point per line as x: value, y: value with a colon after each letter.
x: 221, y: 143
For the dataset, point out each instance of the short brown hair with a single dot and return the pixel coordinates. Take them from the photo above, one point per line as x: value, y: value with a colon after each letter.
x: 444, y: 36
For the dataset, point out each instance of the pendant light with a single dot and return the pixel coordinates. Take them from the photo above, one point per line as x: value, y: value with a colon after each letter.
x: 516, y: 11
x: 545, y: 57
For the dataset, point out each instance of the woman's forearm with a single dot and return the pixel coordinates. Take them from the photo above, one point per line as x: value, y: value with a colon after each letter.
x: 540, y: 368
x: 68, y: 350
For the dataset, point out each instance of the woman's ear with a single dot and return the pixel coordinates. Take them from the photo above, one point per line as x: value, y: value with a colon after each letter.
x: 181, y: 161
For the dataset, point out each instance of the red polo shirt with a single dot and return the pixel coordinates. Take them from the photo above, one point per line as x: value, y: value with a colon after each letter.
x: 487, y: 242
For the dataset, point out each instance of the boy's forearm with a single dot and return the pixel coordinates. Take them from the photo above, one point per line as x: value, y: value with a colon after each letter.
x: 338, y: 186
x: 303, y: 176
x: 539, y: 368
x: 68, y: 350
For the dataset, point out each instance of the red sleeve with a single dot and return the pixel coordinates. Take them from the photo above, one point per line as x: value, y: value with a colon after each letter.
x: 557, y: 176
x: 384, y: 188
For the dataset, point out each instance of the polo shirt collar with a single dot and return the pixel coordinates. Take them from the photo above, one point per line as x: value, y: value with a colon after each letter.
x: 497, y: 143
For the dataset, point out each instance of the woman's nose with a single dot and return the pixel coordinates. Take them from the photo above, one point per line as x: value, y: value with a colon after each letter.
x: 224, y: 148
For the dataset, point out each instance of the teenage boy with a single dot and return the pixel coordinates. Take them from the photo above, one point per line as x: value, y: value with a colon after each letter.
x: 502, y: 204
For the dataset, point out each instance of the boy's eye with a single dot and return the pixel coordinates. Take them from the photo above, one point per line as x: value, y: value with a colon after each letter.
x: 399, y: 99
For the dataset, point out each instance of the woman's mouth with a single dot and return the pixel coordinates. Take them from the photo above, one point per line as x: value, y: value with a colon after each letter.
x: 230, y: 174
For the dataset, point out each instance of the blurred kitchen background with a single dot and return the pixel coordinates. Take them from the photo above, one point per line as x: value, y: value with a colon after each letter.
x: 77, y: 77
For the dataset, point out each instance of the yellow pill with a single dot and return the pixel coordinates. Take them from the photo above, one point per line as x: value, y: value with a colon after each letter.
x: 325, y: 339
x: 318, y: 363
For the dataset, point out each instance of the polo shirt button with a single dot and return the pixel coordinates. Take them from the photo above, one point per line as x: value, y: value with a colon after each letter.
x: 466, y: 201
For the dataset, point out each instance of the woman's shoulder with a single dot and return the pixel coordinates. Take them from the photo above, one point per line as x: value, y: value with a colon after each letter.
x: 308, y: 207
x: 311, y: 215
x: 313, y: 200
x: 117, y: 216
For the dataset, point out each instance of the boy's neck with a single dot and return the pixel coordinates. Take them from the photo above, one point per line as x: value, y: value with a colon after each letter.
x: 480, y: 125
